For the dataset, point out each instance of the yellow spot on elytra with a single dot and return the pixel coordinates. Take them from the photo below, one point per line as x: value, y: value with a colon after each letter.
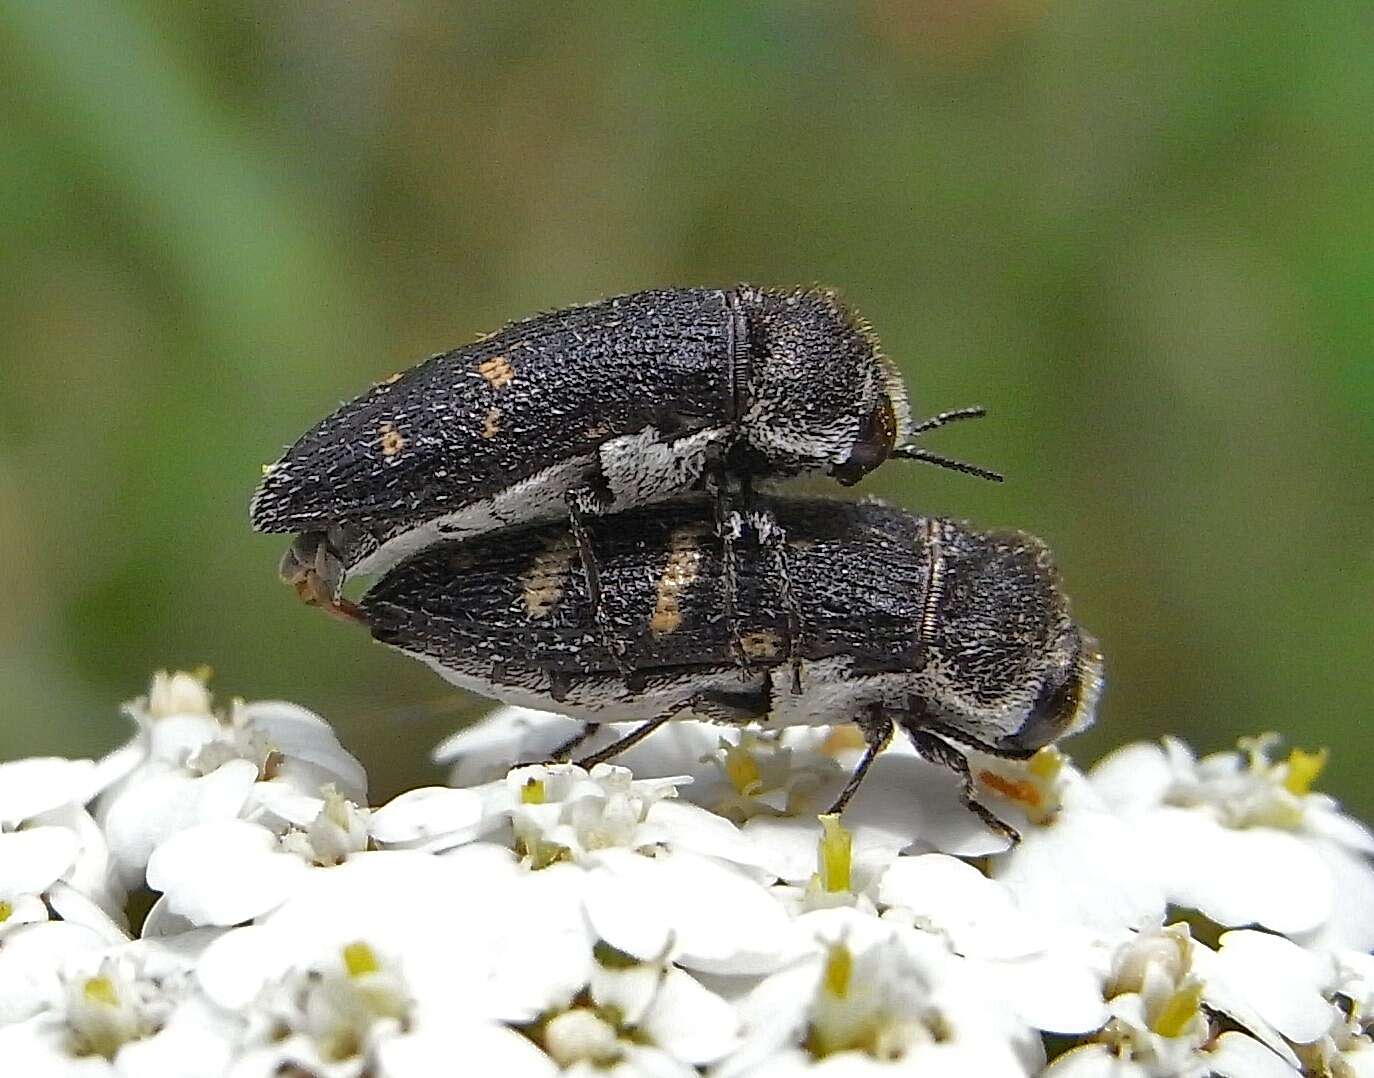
x: 544, y: 582
x: 492, y: 423
x: 1022, y: 790
x: 497, y: 371
x: 1303, y: 769
x: 834, y: 855
x: 1178, y: 1011
x: 359, y: 959
x: 684, y: 564
x: 764, y: 644
x: 391, y: 439
x: 267, y: 469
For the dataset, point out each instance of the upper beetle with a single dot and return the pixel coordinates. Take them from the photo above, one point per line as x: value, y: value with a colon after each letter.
x: 590, y: 410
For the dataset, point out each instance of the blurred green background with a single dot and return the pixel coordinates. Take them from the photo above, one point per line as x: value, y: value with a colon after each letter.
x: 1140, y: 234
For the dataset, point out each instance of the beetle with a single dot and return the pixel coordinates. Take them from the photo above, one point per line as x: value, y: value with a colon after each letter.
x: 587, y: 411
x: 957, y: 636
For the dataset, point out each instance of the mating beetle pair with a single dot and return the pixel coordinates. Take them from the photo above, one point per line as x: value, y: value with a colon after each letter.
x: 440, y: 478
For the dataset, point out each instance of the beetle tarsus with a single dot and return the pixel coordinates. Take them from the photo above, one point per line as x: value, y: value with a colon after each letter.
x: 937, y: 751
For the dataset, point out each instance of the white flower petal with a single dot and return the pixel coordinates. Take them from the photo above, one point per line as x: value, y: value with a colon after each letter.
x: 690, y: 1022
x: 30, y: 960
x: 301, y: 735
x: 146, y: 813
x: 434, y: 817
x: 24, y: 910
x: 75, y: 908
x: 1351, y: 923
x: 977, y: 913
x: 486, y: 1049
x: 1084, y: 868
x: 1096, y: 1061
x: 223, y: 873
x: 1237, y: 1056
x: 31, y: 860
x: 1280, y: 980
x: 1240, y: 877
x: 1133, y: 777
x: 721, y: 920
x: 32, y: 786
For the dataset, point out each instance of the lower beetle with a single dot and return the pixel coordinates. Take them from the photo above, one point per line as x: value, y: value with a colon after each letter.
x: 588, y: 411
x: 957, y: 636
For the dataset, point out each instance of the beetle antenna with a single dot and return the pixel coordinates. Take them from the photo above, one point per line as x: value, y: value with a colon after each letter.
x: 916, y: 452
x: 943, y: 419
x: 976, y: 411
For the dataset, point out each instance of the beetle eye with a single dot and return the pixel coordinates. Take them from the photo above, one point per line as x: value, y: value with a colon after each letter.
x: 1065, y: 703
x: 876, y: 439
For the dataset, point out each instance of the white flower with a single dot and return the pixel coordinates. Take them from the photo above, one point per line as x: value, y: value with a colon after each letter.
x: 1242, y: 839
x: 328, y: 1019
x: 1156, y: 989
x: 634, y: 1017
x: 114, y: 1018
x: 230, y: 871
x: 192, y: 766
x: 1114, y: 879
x: 871, y: 993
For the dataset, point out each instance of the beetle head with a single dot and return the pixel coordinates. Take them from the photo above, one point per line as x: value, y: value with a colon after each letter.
x: 1006, y: 666
x: 822, y: 397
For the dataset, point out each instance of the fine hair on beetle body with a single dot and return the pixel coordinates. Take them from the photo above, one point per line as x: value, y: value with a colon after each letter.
x: 956, y: 636
x: 592, y: 410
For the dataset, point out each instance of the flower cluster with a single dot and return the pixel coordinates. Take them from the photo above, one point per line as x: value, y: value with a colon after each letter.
x: 218, y: 898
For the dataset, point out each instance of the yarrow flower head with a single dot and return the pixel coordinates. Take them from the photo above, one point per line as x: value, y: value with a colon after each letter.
x: 691, y: 908
x: 1243, y: 837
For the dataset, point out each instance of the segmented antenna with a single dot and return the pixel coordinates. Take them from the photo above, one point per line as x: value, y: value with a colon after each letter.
x: 954, y: 415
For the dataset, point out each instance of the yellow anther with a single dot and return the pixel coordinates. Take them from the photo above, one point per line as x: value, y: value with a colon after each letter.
x: 5, y: 911
x: 532, y: 792
x: 742, y: 770
x: 1303, y: 769
x: 1178, y: 1011
x: 100, y: 990
x: 360, y: 959
x: 834, y: 855
x: 839, y: 967
x: 1046, y: 764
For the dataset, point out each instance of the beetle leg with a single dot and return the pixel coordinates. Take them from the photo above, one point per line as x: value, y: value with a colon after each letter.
x: 941, y: 752
x: 633, y: 738
x: 725, y: 707
x: 729, y: 527
x: 564, y: 750
x: 315, y: 571
x: 877, y: 731
x: 583, y: 502
x: 771, y: 537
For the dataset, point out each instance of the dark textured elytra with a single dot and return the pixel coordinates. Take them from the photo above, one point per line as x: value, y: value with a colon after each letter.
x: 976, y: 618
x: 795, y: 372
